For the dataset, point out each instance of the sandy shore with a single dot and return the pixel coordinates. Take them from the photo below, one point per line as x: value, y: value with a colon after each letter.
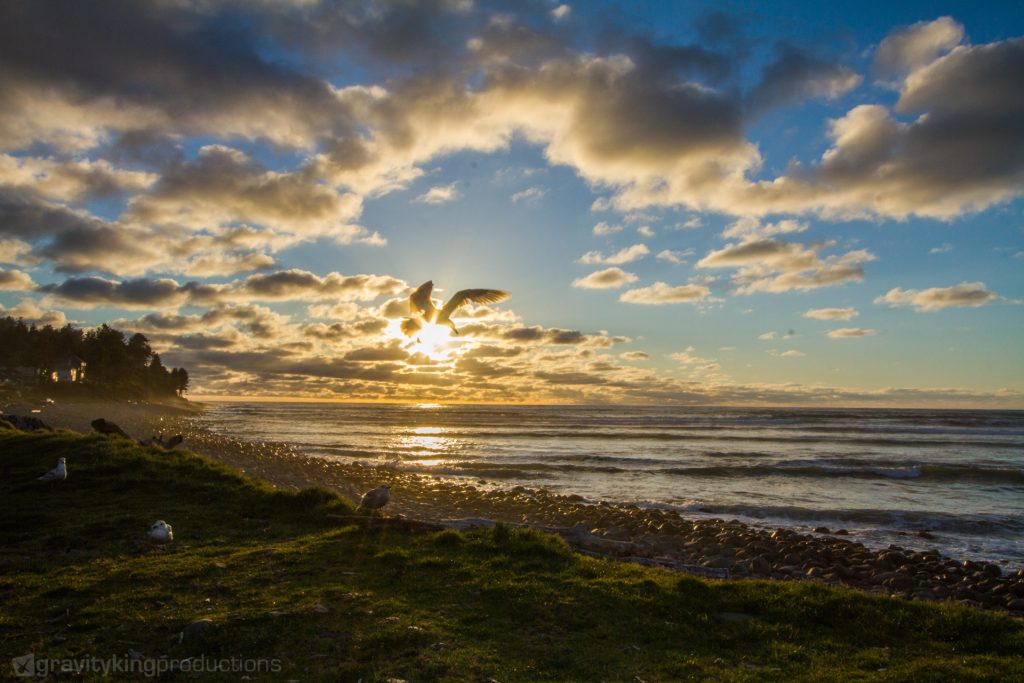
x: 716, y: 547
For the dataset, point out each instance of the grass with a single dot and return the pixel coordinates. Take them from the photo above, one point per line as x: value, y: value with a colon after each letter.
x: 503, y: 604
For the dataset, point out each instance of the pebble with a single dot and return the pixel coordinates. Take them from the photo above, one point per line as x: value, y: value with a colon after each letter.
x: 321, y: 609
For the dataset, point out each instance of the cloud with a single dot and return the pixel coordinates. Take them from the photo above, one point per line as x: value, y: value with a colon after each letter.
x: 792, y: 353
x: 15, y: 280
x: 530, y: 194
x: 750, y: 227
x: 440, y: 194
x: 605, y: 279
x: 830, y: 313
x: 625, y: 255
x: 634, y: 355
x: 285, y: 285
x: 662, y: 293
x: 13, y: 251
x: 937, y: 298
x: 687, y: 357
x: 908, y: 49
x: 645, y: 230
x: 795, y: 75
x: 766, y: 336
x: 32, y: 314
x: 603, y: 228
x: 224, y: 185
x: 561, y: 12
x: 676, y: 257
x: 767, y: 265
x: 850, y: 332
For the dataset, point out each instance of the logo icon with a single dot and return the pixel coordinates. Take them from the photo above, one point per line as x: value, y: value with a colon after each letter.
x: 25, y: 665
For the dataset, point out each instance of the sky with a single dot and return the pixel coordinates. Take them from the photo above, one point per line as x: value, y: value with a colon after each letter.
x: 792, y: 203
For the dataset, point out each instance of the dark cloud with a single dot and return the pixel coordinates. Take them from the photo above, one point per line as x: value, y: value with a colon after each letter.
x: 796, y: 75
x: 170, y: 64
x: 23, y: 213
x: 298, y: 285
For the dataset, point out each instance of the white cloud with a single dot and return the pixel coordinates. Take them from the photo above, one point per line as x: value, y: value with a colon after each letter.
x: 661, y: 293
x: 830, y: 313
x: 768, y: 265
x: 604, y: 228
x: 608, y: 278
x: 750, y: 227
x: 937, y: 298
x: 766, y: 336
x: 674, y: 256
x: 440, y: 194
x: 850, y: 332
x: 645, y: 230
x: 945, y: 248
x: 625, y: 255
x: 15, y: 281
x: 530, y: 194
x: 561, y: 12
x: 690, y: 223
x: 916, y: 46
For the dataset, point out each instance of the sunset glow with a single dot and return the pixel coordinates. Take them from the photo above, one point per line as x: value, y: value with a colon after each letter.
x: 791, y: 204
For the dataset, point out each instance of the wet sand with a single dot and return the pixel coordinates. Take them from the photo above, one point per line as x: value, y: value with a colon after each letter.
x: 712, y: 547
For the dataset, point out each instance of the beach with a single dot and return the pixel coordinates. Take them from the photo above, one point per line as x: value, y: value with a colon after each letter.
x: 709, y: 545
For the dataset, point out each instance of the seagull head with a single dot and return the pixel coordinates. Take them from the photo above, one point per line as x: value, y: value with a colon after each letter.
x: 60, y: 461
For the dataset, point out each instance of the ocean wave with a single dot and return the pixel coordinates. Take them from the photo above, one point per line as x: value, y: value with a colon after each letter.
x: 924, y: 472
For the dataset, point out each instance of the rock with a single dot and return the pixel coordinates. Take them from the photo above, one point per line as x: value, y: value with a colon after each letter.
x: 195, y: 630
x: 1016, y: 605
x: 821, y: 530
x: 841, y: 532
x: 992, y: 570
x: 321, y: 609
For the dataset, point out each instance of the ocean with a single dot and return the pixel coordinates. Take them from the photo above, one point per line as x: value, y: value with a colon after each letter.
x: 946, y: 479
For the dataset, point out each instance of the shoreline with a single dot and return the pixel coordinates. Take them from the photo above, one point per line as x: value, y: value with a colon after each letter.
x: 712, y: 547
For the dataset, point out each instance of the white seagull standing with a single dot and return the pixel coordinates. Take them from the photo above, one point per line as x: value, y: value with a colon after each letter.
x: 161, y: 533
x: 58, y: 473
x: 424, y: 311
x: 375, y: 499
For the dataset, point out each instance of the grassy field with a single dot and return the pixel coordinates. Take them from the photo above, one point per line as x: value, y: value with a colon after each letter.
x: 282, y: 579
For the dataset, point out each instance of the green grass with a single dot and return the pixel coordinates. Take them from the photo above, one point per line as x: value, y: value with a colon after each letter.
x: 503, y: 604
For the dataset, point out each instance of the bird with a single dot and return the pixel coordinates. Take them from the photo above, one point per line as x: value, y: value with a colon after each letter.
x: 58, y: 473
x: 423, y: 310
x: 375, y: 499
x: 108, y: 428
x: 161, y: 533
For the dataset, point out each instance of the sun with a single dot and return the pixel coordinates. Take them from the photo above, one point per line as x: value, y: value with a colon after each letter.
x: 433, y: 341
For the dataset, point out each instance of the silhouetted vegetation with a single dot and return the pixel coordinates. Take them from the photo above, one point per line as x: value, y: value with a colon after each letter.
x: 100, y: 359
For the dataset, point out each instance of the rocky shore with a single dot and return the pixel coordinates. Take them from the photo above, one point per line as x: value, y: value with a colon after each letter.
x: 651, y: 536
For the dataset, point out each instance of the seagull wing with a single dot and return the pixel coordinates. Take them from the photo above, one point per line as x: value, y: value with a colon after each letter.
x: 476, y: 296
x: 419, y: 301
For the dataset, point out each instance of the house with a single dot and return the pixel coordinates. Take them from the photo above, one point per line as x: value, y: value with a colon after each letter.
x: 70, y: 369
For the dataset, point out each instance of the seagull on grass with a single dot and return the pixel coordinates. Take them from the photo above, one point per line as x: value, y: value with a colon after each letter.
x: 58, y: 473
x: 161, y: 533
x: 375, y: 499
x: 424, y: 311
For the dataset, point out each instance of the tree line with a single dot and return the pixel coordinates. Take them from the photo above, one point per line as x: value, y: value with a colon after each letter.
x: 112, y: 361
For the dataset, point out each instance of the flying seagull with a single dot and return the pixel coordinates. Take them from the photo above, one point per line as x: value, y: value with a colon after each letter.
x: 58, y: 473
x: 161, y: 533
x: 424, y: 311
x: 375, y: 499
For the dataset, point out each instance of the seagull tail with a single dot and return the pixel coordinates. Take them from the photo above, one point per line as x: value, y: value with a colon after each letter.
x: 411, y: 326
